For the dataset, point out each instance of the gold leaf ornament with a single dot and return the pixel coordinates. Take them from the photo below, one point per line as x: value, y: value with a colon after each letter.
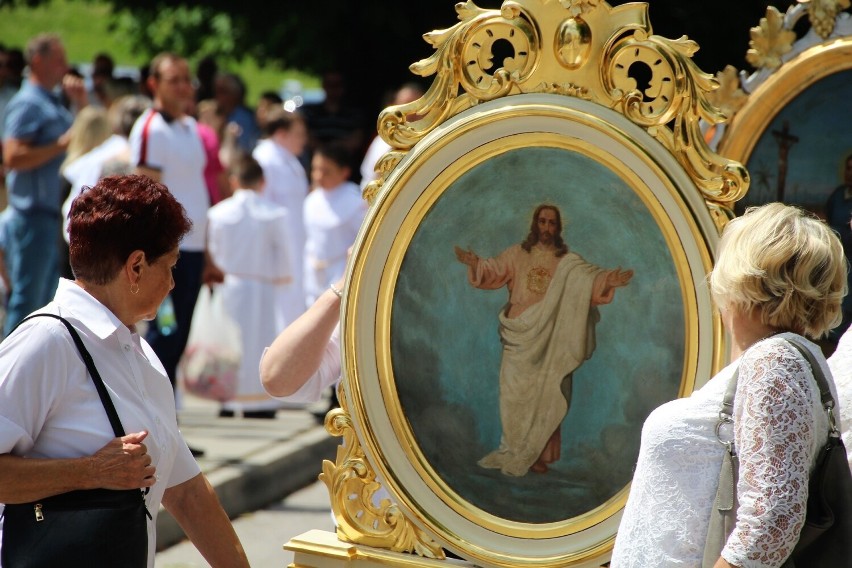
x: 823, y: 13
x: 681, y: 96
x: 729, y: 97
x: 770, y: 40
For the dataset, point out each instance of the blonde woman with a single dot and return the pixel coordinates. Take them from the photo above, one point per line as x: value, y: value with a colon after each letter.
x: 111, y: 156
x: 781, y: 274
x: 89, y: 129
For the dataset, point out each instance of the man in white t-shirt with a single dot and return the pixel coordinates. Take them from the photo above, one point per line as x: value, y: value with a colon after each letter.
x: 165, y: 145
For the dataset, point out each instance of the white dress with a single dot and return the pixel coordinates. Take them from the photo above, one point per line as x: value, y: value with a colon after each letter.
x: 667, y: 514
x: 378, y: 148
x: 332, y: 220
x: 286, y: 185
x: 249, y: 239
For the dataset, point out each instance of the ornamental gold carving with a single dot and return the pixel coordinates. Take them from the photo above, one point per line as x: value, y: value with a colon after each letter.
x: 770, y: 40
x: 823, y: 14
x: 578, y: 48
x: 775, y: 43
x: 729, y: 97
x: 352, y: 484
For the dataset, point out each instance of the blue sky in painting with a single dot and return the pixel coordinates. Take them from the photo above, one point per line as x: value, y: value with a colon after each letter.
x: 446, y: 347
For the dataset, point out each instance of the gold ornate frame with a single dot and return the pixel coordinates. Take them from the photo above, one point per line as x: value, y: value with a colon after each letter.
x: 567, y: 86
x: 786, y: 66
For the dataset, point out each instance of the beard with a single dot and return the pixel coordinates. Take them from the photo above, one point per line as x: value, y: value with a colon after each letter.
x: 546, y: 238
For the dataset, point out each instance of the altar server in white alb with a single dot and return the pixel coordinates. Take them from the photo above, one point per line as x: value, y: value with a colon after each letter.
x: 334, y: 211
x: 249, y: 239
x: 286, y: 182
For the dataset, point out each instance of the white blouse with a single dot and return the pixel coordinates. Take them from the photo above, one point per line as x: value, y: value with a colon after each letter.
x: 840, y: 364
x: 49, y: 407
x: 779, y: 426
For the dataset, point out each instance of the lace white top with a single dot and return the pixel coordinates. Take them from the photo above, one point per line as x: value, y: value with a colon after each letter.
x: 840, y: 364
x: 779, y: 426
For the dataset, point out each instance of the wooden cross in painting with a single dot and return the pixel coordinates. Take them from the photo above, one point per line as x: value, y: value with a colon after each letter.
x: 785, y: 142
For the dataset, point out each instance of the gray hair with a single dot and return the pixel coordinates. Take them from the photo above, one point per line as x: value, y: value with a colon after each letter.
x: 42, y: 45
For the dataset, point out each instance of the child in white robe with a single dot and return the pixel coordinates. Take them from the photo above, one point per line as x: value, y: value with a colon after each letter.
x: 249, y: 239
x: 333, y: 214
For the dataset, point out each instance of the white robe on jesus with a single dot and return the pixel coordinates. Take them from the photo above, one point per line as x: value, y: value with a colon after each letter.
x: 542, y: 346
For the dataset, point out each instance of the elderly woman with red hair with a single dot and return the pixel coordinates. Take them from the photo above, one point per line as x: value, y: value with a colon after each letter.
x: 55, y: 434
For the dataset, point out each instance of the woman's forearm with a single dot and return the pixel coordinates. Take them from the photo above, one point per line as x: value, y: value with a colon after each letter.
x: 196, y: 508
x: 296, y: 354
x: 27, y: 479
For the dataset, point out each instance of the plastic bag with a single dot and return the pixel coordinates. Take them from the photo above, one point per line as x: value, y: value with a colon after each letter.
x: 210, y: 364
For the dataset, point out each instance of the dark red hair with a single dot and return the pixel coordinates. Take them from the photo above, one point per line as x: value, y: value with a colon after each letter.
x: 117, y: 216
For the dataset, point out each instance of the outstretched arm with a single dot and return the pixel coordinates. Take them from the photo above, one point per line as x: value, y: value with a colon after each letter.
x: 297, y: 352
x: 607, y: 282
x: 467, y: 257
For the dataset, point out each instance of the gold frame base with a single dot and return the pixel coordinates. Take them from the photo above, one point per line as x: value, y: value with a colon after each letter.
x: 322, y: 549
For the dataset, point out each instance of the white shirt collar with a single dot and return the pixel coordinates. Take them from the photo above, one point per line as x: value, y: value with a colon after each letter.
x: 88, y: 310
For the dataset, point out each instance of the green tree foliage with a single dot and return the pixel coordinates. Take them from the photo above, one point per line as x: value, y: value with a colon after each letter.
x: 374, y: 41
x: 181, y: 29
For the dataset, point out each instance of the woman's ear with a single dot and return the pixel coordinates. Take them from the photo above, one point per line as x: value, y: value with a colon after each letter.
x: 134, y: 265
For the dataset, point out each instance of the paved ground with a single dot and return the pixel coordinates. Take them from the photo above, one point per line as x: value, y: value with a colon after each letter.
x: 252, y: 463
x: 264, y: 532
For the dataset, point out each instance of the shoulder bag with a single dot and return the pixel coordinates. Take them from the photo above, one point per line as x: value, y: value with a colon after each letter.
x: 94, y: 527
x: 826, y: 537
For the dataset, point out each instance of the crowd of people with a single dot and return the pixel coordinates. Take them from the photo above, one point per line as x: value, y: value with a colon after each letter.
x: 195, y: 133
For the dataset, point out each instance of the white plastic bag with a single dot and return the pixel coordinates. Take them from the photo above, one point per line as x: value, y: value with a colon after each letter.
x: 210, y: 364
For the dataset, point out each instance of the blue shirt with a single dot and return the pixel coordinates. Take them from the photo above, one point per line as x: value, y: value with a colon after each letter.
x: 249, y: 131
x: 35, y: 116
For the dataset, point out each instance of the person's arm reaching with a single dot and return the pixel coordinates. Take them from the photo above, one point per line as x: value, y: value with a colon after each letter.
x: 297, y: 353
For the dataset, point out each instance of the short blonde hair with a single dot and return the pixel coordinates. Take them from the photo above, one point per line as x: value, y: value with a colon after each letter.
x: 785, y: 263
x: 89, y: 130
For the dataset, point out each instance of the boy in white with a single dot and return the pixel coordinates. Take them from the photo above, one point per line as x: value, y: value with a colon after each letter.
x: 249, y: 239
x: 334, y: 211
x: 286, y: 180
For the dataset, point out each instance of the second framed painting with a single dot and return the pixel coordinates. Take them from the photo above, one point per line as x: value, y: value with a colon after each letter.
x: 529, y: 286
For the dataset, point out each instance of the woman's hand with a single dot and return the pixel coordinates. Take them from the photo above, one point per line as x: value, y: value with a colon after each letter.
x: 123, y: 463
